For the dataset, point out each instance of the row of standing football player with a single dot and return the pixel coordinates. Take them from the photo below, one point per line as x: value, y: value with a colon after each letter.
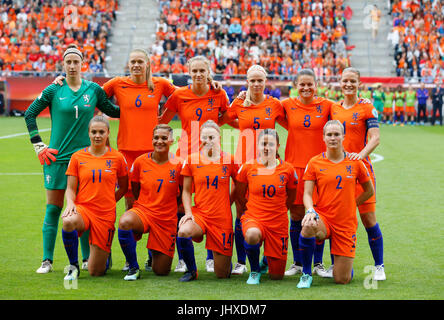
x: 307, y: 114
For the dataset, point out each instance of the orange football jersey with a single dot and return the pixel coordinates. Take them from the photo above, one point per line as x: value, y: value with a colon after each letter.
x: 138, y: 110
x: 305, y: 129
x: 212, y: 186
x: 159, y: 185
x: 252, y: 119
x: 356, y: 120
x: 267, y: 190
x: 97, y: 178
x: 193, y: 111
x: 336, y: 189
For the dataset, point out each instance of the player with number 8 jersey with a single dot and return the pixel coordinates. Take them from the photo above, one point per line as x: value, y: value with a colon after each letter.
x: 306, y: 115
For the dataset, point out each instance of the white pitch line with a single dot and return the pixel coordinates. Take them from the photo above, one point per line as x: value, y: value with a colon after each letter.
x: 377, y: 157
x: 22, y: 134
x: 20, y: 173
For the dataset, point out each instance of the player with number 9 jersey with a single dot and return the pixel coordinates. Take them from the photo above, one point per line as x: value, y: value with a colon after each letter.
x: 193, y: 111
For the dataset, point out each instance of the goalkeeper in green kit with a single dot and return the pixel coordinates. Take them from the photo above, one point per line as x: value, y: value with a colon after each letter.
x: 71, y: 107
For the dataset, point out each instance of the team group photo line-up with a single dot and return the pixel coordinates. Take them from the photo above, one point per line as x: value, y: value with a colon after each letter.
x: 179, y: 198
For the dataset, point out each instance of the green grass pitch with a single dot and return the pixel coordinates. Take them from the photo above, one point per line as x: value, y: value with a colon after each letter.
x: 410, y: 192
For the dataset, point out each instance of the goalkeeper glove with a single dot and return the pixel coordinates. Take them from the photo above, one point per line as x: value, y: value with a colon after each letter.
x: 45, y: 154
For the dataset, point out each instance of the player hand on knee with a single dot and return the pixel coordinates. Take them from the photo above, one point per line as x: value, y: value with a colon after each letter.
x: 45, y: 154
x: 185, y: 218
x: 310, y: 219
x: 69, y: 210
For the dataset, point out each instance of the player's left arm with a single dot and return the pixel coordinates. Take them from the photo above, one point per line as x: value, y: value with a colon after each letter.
x: 373, y: 142
x: 123, y: 187
x: 282, y: 121
x: 366, y: 194
x: 291, y: 196
x: 105, y: 105
x: 225, y: 119
x: 241, y: 190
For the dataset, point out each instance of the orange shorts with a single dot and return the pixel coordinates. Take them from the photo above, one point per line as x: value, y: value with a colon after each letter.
x: 219, y: 237
x: 275, y: 237
x: 101, y: 232
x: 410, y: 110
x: 370, y: 204
x: 130, y: 157
x: 300, y: 187
x: 343, y: 243
x: 162, y: 233
x: 399, y: 109
x: 388, y: 110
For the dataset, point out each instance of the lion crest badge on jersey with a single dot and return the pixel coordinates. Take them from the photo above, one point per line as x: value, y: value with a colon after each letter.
x: 86, y: 100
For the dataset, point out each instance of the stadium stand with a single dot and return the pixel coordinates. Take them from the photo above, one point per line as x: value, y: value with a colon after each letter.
x: 34, y: 33
x: 418, y: 39
x: 281, y: 35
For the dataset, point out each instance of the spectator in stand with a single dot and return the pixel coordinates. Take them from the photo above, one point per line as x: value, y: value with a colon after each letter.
x: 259, y: 30
x: 36, y: 29
x: 418, y: 38
x: 229, y: 89
x: 275, y: 91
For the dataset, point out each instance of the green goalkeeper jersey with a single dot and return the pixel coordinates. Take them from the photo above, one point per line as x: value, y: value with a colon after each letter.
x: 70, y: 115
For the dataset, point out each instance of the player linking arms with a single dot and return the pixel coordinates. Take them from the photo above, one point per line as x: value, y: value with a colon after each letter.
x: 91, y: 198
x: 335, y: 176
x: 72, y: 106
x: 254, y: 114
x: 360, y: 121
x: 195, y: 104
